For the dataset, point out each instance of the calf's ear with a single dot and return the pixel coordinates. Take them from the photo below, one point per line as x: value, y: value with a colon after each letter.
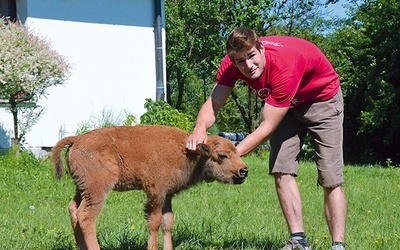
x: 203, y: 149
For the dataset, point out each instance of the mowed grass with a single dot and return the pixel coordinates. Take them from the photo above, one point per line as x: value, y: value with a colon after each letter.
x: 34, y: 215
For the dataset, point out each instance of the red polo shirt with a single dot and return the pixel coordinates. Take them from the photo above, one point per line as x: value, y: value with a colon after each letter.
x: 296, y: 71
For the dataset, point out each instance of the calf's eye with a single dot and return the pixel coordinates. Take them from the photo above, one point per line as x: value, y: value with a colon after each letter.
x: 222, y: 156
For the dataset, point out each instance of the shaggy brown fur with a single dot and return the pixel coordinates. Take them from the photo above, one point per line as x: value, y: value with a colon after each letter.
x: 149, y: 158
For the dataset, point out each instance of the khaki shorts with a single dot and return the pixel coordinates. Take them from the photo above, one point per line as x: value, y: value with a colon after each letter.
x: 324, y: 122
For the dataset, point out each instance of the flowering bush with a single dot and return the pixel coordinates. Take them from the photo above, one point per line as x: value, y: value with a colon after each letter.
x: 28, y: 67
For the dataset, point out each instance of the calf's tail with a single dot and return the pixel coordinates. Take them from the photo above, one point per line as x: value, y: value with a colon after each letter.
x: 58, y: 165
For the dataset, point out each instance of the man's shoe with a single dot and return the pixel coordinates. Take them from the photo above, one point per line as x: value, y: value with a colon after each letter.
x: 294, y: 244
x: 338, y: 247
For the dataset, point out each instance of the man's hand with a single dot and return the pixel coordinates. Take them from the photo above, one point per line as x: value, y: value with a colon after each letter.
x: 196, y: 138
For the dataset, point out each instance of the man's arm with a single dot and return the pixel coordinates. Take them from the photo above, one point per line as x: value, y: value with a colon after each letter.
x: 272, y: 116
x: 207, y: 115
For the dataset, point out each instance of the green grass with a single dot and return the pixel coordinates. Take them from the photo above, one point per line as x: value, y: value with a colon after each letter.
x: 208, y: 216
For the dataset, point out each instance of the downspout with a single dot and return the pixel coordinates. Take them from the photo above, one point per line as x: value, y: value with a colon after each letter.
x: 160, y: 93
x: 12, y: 10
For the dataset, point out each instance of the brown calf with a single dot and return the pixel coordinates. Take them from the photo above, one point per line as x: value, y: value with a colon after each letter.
x: 149, y: 158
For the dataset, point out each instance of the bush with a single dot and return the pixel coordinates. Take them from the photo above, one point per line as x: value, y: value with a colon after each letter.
x: 161, y: 113
x: 28, y: 67
x: 106, y: 119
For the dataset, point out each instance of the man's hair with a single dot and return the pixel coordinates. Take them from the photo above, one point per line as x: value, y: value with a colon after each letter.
x: 241, y: 40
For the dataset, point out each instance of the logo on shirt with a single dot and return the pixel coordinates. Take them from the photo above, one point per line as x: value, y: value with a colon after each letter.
x: 262, y: 93
x: 276, y: 44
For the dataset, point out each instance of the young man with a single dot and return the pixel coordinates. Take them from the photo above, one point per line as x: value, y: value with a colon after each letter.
x: 302, y: 95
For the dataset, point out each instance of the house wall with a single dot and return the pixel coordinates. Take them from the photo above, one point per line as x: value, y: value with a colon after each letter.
x: 110, y: 45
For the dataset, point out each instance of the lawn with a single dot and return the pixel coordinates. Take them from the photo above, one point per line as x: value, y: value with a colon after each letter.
x: 33, y: 210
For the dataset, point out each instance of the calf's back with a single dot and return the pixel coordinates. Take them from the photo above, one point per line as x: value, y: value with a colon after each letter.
x: 129, y: 157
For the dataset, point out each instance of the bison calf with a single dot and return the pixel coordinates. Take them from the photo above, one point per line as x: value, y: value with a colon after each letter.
x: 149, y: 158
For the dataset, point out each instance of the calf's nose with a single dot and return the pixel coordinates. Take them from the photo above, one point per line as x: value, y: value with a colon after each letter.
x: 243, y: 172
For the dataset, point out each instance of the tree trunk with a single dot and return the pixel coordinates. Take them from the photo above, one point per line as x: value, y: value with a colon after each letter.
x: 241, y: 108
x: 14, y: 112
x: 180, y: 90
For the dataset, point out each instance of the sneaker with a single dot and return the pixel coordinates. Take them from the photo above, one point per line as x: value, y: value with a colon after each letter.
x: 294, y: 244
x: 338, y: 247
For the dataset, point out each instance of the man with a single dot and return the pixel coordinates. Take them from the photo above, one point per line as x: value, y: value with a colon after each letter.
x: 302, y: 95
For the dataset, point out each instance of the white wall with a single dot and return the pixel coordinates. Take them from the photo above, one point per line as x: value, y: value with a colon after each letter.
x: 113, y: 64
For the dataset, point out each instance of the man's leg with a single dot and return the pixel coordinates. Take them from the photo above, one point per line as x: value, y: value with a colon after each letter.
x: 286, y: 144
x: 335, y: 212
x: 325, y: 123
x: 289, y: 198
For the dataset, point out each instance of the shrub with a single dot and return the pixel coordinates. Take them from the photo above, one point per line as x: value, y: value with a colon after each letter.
x: 161, y: 113
x: 28, y: 67
x: 107, y: 119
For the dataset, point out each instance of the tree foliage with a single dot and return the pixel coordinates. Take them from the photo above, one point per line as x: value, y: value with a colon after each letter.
x: 368, y: 53
x: 193, y: 46
x: 28, y: 67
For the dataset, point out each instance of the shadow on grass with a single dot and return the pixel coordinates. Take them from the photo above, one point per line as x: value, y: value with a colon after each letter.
x: 187, y: 237
x: 128, y: 245
x: 183, y: 238
x: 125, y: 244
x: 187, y: 240
x: 190, y: 243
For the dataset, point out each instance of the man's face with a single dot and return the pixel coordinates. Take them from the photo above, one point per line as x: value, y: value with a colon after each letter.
x: 251, y: 63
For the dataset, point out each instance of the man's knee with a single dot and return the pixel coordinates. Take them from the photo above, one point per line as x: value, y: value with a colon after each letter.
x: 283, y: 177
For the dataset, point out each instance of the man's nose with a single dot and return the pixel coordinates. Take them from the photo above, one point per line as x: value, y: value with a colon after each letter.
x: 248, y: 63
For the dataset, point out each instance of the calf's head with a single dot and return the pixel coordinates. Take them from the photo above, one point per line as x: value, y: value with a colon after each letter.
x: 222, y: 161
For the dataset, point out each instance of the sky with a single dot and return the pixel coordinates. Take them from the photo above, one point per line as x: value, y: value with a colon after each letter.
x: 337, y: 8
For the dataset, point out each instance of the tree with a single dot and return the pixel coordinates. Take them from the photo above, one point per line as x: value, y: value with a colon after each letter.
x: 194, y: 46
x: 368, y: 54
x: 28, y: 67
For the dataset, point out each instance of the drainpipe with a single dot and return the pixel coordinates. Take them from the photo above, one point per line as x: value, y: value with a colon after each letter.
x: 160, y: 93
x: 12, y: 10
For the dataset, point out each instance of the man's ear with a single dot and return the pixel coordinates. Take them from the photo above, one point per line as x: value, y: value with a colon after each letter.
x: 203, y: 149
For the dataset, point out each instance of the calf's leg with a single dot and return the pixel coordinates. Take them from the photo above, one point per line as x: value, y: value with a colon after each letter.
x: 167, y: 223
x: 153, y: 211
x: 73, y: 207
x: 87, y: 214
